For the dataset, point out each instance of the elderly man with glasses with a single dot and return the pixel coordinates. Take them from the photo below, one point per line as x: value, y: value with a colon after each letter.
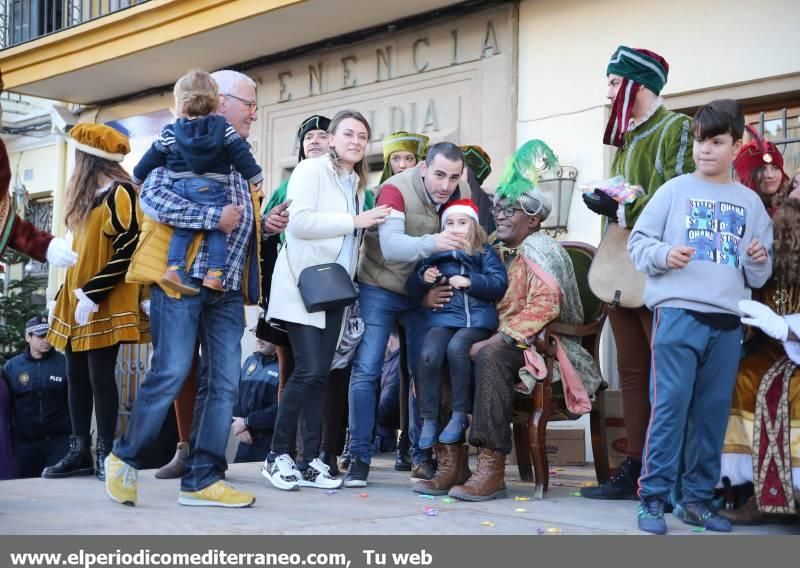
x: 541, y: 288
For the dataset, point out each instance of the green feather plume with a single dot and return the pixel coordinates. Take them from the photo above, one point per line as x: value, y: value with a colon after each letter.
x: 522, y: 169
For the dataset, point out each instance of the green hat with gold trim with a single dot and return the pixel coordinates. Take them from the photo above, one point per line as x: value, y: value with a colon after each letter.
x: 478, y: 161
x: 402, y: 141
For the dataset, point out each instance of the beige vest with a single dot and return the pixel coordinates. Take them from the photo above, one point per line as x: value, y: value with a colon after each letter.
x: 421, y: 219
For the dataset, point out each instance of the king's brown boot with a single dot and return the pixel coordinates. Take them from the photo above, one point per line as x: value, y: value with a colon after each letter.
x: 453, y: 470
x: 177, y: 465
x: 488, y: 482
x: 750, y: 514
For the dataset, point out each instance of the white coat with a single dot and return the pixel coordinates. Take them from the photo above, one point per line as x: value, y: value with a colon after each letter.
x: 318, y: 221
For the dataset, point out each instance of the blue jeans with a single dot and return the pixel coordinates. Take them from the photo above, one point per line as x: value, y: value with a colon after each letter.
x: 202, y: 191
x: 217, y: 319
x: 380, y: 309
x: 692, y: 376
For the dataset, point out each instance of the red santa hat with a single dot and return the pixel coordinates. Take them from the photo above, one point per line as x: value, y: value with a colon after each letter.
x: 464, y: 206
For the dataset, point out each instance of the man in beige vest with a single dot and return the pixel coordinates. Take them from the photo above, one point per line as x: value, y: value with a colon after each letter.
x: 390, y: 253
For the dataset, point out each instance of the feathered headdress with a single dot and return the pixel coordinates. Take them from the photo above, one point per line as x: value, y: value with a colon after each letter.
x: 520, y: 179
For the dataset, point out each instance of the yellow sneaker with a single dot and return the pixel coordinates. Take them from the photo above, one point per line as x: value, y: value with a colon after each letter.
x: 121, y: 484
x: 219, y: 494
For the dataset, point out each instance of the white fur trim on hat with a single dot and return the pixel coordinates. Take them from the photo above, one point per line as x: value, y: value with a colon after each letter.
x: 99, y: 153
x: 463, y: 209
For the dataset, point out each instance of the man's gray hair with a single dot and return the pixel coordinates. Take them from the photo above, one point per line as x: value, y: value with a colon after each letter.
x: 227, y: 80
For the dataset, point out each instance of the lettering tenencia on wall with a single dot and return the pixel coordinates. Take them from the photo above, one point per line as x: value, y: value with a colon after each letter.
x: 433, y: 50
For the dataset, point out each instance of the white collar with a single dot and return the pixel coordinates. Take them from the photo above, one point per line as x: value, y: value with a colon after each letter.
x: 650, y: 112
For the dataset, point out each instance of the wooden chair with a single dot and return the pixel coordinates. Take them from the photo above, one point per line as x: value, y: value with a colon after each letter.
x: 533, y: 412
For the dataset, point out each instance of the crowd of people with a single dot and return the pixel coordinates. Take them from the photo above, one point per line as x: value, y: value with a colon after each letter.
x: 411, y: 307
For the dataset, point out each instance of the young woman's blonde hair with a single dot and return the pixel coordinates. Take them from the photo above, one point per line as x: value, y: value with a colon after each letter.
x: 196, y: 94
x: 84, y: 183
x: 361, y: 169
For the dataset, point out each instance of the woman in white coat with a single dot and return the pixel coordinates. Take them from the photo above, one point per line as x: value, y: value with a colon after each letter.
x: 326, y: 222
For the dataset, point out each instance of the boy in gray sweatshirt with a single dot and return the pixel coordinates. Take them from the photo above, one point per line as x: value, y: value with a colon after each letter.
x: 704, y: 241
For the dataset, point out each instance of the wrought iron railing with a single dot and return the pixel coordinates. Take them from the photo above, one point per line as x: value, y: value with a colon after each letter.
x: 26, y: 20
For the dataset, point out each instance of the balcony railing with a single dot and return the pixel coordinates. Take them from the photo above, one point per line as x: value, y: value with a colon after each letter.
x: 27, y: 20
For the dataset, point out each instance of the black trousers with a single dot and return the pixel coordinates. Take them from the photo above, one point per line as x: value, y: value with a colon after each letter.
x: 496, y: 370
x: 454, y: 344
x: 91, y: 380
x: 255, y: 452
x: 33, y: 456
x: 304, y: 393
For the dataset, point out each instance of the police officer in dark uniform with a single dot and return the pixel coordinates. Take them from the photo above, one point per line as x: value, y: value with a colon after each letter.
x: 37, y: 385
x: 257, y: 407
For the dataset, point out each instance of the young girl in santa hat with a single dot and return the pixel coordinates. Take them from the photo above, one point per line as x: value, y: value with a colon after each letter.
x: 479, y: 279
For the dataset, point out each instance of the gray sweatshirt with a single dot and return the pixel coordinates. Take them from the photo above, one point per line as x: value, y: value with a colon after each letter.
x: 719, y: 221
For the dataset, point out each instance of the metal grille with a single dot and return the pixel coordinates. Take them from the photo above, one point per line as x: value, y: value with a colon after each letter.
x: 782, y: 128
x: 133, y: 362
x: 26, y: 20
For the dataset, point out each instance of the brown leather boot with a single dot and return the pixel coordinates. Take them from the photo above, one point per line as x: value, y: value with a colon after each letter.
x: 177, y: 465
x: 453, y: 470
x: 488, y: 482
x: 750, y: 514
x: 173, y: 279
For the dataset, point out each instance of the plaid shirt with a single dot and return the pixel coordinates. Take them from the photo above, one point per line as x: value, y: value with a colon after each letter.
x: 175, y: 211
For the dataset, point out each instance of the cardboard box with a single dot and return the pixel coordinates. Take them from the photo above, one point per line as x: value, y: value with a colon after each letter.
x: 615, y: 429
x: 566, y: 446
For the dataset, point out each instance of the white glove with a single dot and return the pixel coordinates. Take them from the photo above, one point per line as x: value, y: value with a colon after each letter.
x: 760, y: 316
x: 85, y: 308
x: 51, y: 307
x: 145, y: 307
x: 60, y: 254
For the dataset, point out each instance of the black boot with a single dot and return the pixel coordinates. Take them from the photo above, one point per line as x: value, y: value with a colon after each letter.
x: 345, y: 461
x: 622, y: 486
x: 402, y: 460
x: 104, y: 448
x: 78, y: 460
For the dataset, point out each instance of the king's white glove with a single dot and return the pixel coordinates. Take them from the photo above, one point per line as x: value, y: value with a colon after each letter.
x: 760, y: 316
x: 85, y: 308
x: 145, y: 307
x: 60, y: 254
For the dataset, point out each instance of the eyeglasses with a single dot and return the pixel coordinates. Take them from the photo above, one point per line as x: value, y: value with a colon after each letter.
x: 506, y: 211
x: 251, y: 105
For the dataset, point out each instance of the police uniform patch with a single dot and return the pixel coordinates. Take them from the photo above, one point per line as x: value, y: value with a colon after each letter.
x: 24, y: 379
x: 251, y: 368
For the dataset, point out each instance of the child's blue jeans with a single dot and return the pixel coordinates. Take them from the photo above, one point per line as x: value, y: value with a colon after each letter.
x: 202, y: 191
x: 692, y: 374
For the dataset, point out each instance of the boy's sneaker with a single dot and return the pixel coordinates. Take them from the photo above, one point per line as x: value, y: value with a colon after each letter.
x: 651, y: 516
x: 282, y: 473
x: 357, y: 474
x: 175, y: 279
x: 317, y: 474
x: 213, y: 280
x: 218, y: 494
x: 121, y: 483
x: 700, y: 514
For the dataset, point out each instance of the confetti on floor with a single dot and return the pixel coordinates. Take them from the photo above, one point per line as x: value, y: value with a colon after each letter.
x: 363, y: 495
x: 540, y: 530
x: 427, y: 497
x: 448, y: 500
x: 699, y: 529
x: 588, y: 484
x: 553, y: 530
x: 430, y: 511
x: 558, y: 484
x: 520, y: 510
x: 559, y: 469
x: 518, y: 498
x: 489, y: 524
x: 331, y: 492
x: 576, y: 494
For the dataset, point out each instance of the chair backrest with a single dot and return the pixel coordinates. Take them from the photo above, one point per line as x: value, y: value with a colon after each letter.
x: 582, y: 255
